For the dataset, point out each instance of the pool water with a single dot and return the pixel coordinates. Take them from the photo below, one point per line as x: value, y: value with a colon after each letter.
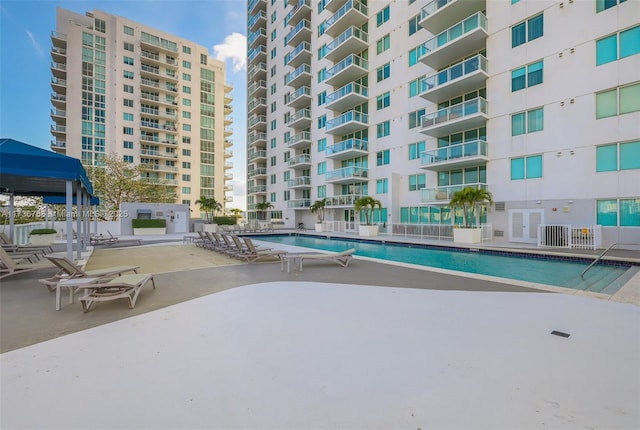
x: 560, y: 273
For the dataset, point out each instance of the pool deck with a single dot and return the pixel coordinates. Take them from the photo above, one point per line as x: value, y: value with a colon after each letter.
x: 369, y: 346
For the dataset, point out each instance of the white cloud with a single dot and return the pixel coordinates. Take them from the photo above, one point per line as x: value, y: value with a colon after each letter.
x: 233, y: 48
x: 34, y: 42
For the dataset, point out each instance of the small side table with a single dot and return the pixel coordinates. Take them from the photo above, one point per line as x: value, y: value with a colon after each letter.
x: 71, y: 285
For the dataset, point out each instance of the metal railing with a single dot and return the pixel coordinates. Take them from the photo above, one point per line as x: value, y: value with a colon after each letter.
x: 570, y: 236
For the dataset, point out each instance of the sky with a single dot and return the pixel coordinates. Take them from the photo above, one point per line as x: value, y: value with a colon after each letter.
x: 25, y: 60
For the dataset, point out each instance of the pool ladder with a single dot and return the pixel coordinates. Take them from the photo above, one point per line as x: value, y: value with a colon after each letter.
x: 599, y: 257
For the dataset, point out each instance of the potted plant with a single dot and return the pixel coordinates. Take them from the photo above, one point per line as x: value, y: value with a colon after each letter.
x: 367, y: 204
x: 149, y: 226
x: 318, y: 208
x: 42, y: 236
x: 469, y: 199
x: 209, y: 206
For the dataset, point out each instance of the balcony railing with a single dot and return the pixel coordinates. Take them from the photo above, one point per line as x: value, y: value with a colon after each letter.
x: 253, y: 36
x: 300, y: 92
x: 435, y: 17
x: 298, y: 29
x: 342, y: 200
x: 303, y: 46
x: 351, y: 6
x: 352, y: 32
x: 346, y: 173
x: 257, y: 154
x: 445, y: 193
x: 455, y: 112
x: 299, y: 203
x: 455, y: 74
x: 257, y: 172
x: 300, y: 181
x: 459, y: 151
x: 347, y: 96
x: 253, y: 53
x: 257, y: 189
x: 346, y: 146
x: 299, y: 159
x: 358, y: 120
x: 351, y: 60
x: 255, y: 18
x: 303, y: 68
x: 302, y: 137
x: 299, y: 115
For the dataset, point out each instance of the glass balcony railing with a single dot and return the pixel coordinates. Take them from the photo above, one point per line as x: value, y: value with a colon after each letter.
x: 433, y: 7
x: 346, y: 62
x: 255, y: 137
x: 304, y: 24
x: 461, y: 110
x: 303, y: 68
x: 302, y: 91
x: 255, y: 18
x: 347, y: 117
x: 256, y: 103
x: 299, y: 159
x: 257, y: 189
x: 347, y: 145
x: 256, y: 119
x: 301, y: 114
x: 261, y: 32
x: 299, y: 137
x: 349, y: 5
x: 257, y: 154
x: 346, y: 173
x: 349, y: 32
x: 300, y: 181
x: 466, y: 67
x: 257, y: 172
x: 298, y: 203
x: 444, y: 193
x: 342, y: 200
x: 253, y: 53
x: 454, y: 32
x: 304, y: 46
x: 351, y: 88
x: 453, y: 152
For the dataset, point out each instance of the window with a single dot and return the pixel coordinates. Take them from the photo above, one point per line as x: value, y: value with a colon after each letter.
x: 527, y: 31
x: 186, y: 165
x: 128, y: 74
x: 527, y: 122
x: 383, y: 129
x: 529, y: 167
x: 127, y: 130
x: 186, y: 50
x: 414, y: 25
x: 322, y: 168
x: 287, y: 196
x: 415, y: 149
x: 273, y: 89
x: 415, y: 86
x: 186, y: 152
x: 274, y: 124
x: 382, y: 186
x: 273, y: 17
x: 322, y: 97
x: 129, y: 61
x: 128, y: 158
x: 528, y: 76
x: 383, y: 44
x: 186, y: 114
x: 186, y: 127
x: 186, y: 76
x: 618, y: 156
x: 272, y: 160
x: 128, y: 30
x: 417, y: 182
x: 322, y: 191
x: 383, y: 72
x: 273, y: 53
x: 414, y: 56
x: 186, y: 190
x: 382, y: 16
x: 127, y: 116
x: 186, y: 90
x: 272, y: 179
x: 273, y: 142
x: 128, y: 46
x: 618, y: 46
x: 322, y: 121
x: 322, y: 144
x: 127, y: 144
x: 186, y: 178
x: 606, y: 4
x: 618, y: 212
x: 382, y: 157
x: 415, y: 118
x: 127, y: 102
x: 383, y: 100
x: 100, y: 25
x: 273, y: 35
x: 203, y: 59
x: 618, y: 101
x: 272, y: 197
x: 186, y: 64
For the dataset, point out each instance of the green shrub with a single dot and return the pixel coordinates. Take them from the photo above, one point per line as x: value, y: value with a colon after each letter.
x: 38, y: 231
x: 149, y: 223
x: 225, y: 220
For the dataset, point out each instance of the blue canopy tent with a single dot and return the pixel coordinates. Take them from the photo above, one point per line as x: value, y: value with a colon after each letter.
x: 27, y: 170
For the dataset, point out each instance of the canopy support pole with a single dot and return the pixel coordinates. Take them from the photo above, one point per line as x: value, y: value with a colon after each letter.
x: 69, y: 204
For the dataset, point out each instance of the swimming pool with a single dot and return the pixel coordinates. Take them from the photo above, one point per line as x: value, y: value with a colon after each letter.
x: 539, y: 269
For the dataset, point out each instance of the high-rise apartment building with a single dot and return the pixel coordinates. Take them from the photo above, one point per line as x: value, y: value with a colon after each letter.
x: 150, y: 97
x: 535, y: 101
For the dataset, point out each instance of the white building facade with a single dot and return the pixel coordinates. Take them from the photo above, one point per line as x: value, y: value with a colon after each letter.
x: 537, y: 102
x: 151, y: 98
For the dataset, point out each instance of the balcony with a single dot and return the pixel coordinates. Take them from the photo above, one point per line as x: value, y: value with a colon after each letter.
x: 300, y: 119
x: 347, y: 175
x: 228, y: 165
x: 256, y: 155
x: 228, y: 120
x: 59, y: 70
x: 299, y: 204
x: 58, y: 130
x: 58, y: 100
x: 258, y: 189
x: 299, y: 98
x: 351, y: 41
x: 257, y: 55
x: 228, y: 143
x: 301, y: 182
x: 299, y: 33
x: 58, y: 115
x: 463, y: 116
x: 437, y: 15
x: 228, y: 153
x: 300, y: 76
x: 257, y: 89
x: 59, y: 40
x: 257, y: 72
x: 302, y: 161
x: 461, y: 78
x: 347, y: 70
x: 256, y: 104
x: 300, y: 140
x: 159, y: 154
x: 58, y: 144
x: 334, y: 5
x: 455, y: 156
x: 347, y: 97
x: 300, y: 55
x: 342, y: 200
x: 349, y: 148
x: 258, y: 37
x: 301, y: 10
x: 352, y: 13
x: 347, y: 123
x: 256, y: 138
x: 59, y: 85
x: 59, y: 55
x: 257, y: 173
x: 228, y: 131
x: 255, y: 6
x: 445, y: 193
x: 454, y: 43
x: 257, y: 20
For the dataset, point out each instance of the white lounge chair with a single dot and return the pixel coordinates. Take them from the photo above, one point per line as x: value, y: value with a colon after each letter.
x: 9, y: 266
x: 342, y: 258
x: 125, y: 286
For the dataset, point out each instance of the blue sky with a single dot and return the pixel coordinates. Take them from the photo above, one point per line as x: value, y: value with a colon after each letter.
x: 25, y: 59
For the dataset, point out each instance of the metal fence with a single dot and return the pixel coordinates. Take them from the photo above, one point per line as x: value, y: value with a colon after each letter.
x: 570, y: 236
x: 418, y: 231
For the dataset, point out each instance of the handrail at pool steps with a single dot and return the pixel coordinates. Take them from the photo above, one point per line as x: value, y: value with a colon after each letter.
x: 599, y: 257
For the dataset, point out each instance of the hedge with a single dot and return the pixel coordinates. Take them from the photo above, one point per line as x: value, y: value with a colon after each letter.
x: 38, y: 231
x: 149, y: 223
x: 225, y: 220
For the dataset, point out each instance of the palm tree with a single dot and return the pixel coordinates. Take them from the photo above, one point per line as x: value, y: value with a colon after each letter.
x: 470, y: 199
x: 318, y: 208
x: 367, y: 204
x: 263, y: 207
x: 209, y: 206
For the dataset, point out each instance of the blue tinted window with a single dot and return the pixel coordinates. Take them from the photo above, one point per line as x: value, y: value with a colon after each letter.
x: 606, y: 50
x: 630, y: 155
x: 607, y: 213
x: 607, y: 158
x: 518, y: 35
x: 536, y: 27
x: 517, y: 168
x: 534, y: 74
x: 534, y: 166
x: 630, y: 42
x: 518, y: 79
x: 629, y: 212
